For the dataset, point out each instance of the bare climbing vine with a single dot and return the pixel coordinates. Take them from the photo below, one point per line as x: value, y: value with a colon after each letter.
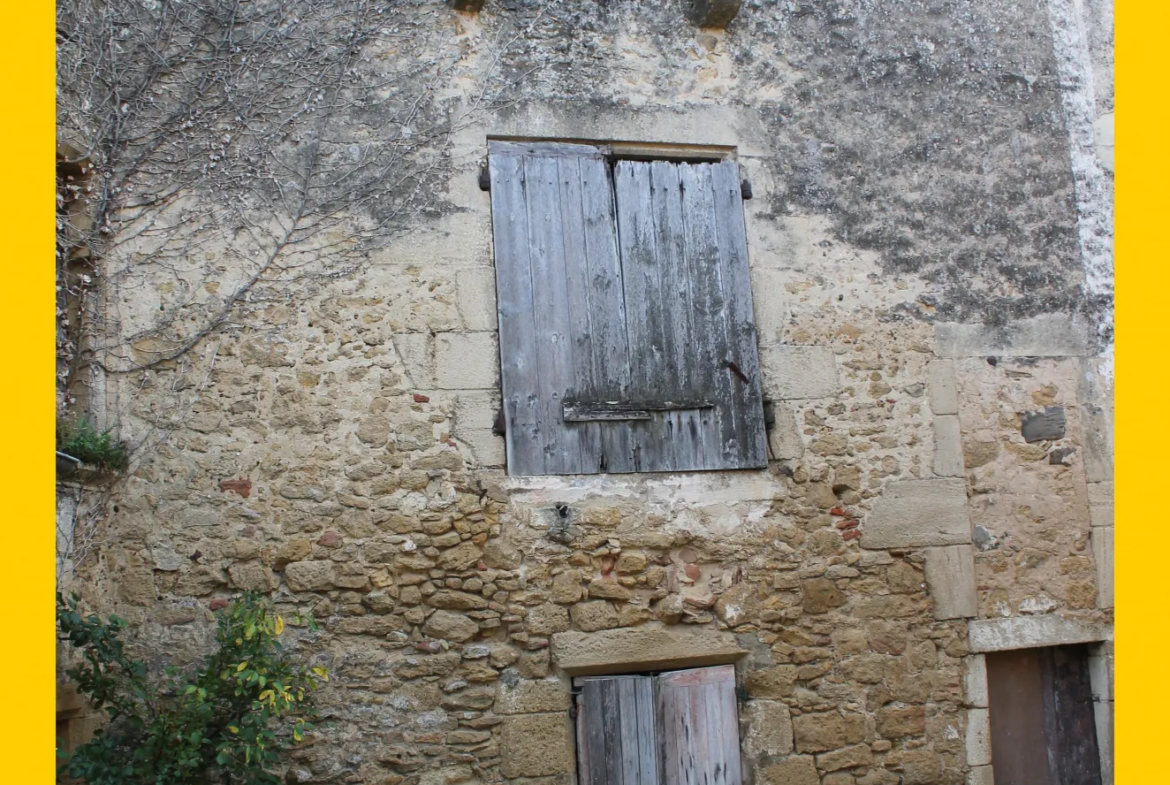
x: 216, y: 156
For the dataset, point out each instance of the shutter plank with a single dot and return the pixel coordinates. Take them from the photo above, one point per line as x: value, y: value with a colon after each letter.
x: 700, y: 727
x: 616, y: 726
x: 551, y: 317
x: 523, y: 431
x: 748, y: 408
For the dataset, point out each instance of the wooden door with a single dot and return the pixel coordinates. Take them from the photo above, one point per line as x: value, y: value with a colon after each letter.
x: 1041, y: 711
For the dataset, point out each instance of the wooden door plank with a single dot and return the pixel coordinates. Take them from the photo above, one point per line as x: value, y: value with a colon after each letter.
x: 617, y: 726
x: 1072, y: 742
x: 700, y: 727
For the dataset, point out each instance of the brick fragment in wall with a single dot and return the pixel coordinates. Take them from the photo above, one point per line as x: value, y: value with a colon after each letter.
x: 950, y: 579
x: 948, y: 446
x: 915, y: 513
x: 798, y: 372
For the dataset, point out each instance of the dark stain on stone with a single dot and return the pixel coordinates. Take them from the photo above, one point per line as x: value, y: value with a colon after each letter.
x: 1046, y: 425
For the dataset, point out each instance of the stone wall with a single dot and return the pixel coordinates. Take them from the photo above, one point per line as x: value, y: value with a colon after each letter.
x: 917, y: 284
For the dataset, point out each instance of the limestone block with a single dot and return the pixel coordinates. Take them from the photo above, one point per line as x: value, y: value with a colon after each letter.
x: 547, y: 619
x: 476, y: 288
x: 798, y: 372
x: 642, y: 648
x: 1024, y: 632
x: 414, y: 349
x: 1095, y: 396
x: 535, y: 745
x: 942, y: 387
x: 594, y: 616
x: 769, y: 305
x: 1103, y: 140
x: 845, y: 758
x: 916, y: 513
x: 1101, y: 503
x: 309, y: 575
x: 1101, y: 671
x: 1049, y: 335
x: 948, y: 446
x: 981, y: 775
x: 768, y: 727
x: 797, y: 770
x: 784, y: 438
x: 950, y: 580
x: 829, y: 730
x: 1103, y: 557
x: 978, y: 738
x: 1103, y: 719
x: 975, y: 681
x: 466, y: 361
x: 475, y: 415
x: 532, y: 697
x: 450, y: 626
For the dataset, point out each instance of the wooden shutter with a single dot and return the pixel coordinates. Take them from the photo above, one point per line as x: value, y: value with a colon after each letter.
x: 617, y: 742
x: 699, y: 726
x: 626, y: 339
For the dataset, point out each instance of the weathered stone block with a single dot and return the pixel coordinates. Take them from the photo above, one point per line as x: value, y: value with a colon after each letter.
x: 1103, y: 556
x: 768, y: 304
x: 450, y: 626
x: 252, y: 576
x: 942, y: 387
x: 415, y: 352
x: 916, y: 513
x: 975, y: 681
x: 532, y: 697
x: 845, y: 758
x: 476, y: 288
x: 547, y: 619
x: 820, y: 595
x: 978, y: 737
x: 775, y: 682
x: 981, y: 775
x: 462, y: 557
x: 309, y: 575
x: 1024, y: 632
x: 1101, y: 503
x: 769, y: 728
x: 895, y: 722
x: 784, y: 438
x: 466, y: 361
x: 798, y: 372
x: 535, y: 745
x: 950, y: 580
x: 830, y: 730
x: 642, y: 648
x: 948, y: 446
x: 1050, y: 335
x: 797, y: 770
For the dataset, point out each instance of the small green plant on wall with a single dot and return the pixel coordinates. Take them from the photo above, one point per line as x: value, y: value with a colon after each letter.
x: 225, y: 721
x: 87, y: 444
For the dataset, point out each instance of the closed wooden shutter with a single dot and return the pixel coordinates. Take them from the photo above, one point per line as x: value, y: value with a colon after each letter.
x: 617, y: 740
x: 626, y: 336
x: 699, y: 727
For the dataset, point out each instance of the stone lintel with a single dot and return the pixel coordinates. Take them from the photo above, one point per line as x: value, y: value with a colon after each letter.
x: 1050, y: 335
x: 712, y: 13
x: 642, y: 648
x: 919, y: 513
x: 1026, y: 632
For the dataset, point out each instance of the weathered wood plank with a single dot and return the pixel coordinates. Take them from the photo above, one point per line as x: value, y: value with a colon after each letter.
x: 515, y: 305
x: 554, y: 371
x: 700, y: 726
x: 617, y: 727
x: 743, y: 362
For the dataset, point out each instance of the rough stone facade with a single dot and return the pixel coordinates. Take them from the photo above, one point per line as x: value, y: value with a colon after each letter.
x: 915, y: 237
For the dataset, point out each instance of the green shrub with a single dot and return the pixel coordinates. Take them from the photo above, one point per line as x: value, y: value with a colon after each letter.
x: 87, y: 444
x: 225, y: 721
